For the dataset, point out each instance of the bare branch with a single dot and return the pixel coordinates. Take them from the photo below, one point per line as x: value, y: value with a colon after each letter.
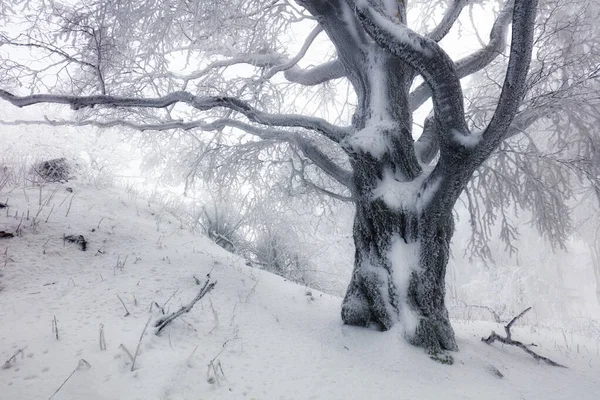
x: 325, y: 163
x: 163, y: 322
x: 316, y: 75
x: 277, y: 62
x: 508, y: 340
x: 512, y: 321
x: 450, y: 17
x: 476, y: 61
x: 201, y: 103
x: 292, y: 62
x: 346, y: 199
x: 496, y: 45
x: 514, y: 87
x: 260, y: 60
x: 345, y: 32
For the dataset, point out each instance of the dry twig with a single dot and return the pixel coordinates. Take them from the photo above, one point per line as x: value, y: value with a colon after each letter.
x: 7, y: 363
x: 82, y: 364
x: 137, y: 349
x: 163, y: 322
x: 509, y: 340
x: 102, y: 339
x: 55, y: 327
x: 127, y: 313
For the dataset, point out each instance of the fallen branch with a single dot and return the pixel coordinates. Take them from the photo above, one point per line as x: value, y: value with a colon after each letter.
x: 163, y: 322
x: 509, y: 340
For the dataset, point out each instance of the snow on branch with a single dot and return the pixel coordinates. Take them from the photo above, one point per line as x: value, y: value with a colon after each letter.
x: 163, y: 322
x: 496, y: 45
x: 339, y: 21
x: 510, y: 341
x: 450, y: 17
x: 515, y: 86
x: 259, y: 60
x: 275, y: 61
x: 476, y: 61
x: 292, y: 62
x: 425, y: 56
x: 316, y: 75
x: 325, y: 163
x: 204, y: 103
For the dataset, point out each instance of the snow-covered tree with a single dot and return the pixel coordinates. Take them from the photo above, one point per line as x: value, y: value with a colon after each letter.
x: 197, y: 67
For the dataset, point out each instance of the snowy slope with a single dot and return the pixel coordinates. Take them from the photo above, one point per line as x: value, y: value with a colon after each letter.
x: 267, y: 338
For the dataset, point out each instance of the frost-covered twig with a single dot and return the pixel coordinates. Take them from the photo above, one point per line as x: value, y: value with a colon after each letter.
x: 214, y: 366
x: 526, y: 348
x: 71, y: 203
x: 126, y: 350
x: 450, y: 17
x: 127, y: 313
x: 55, y: 327
x: 14, y: 357
x: 120, y: 264
x: 102, y: 339
x: 50, y: 213
x: 82, y: 364
x: 163, y: 322
x: 170, y: 297
x: 224, y: 345
x: 497, y: 317
x: 137, y: 349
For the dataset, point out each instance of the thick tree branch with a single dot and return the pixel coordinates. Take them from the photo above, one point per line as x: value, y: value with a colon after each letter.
x: 426, y: 57
x: 496, y: 45
x: 427, y: 146
x: 325, y: 163
x: 332, y: 132
x: 310, y: 151
x: 316, y: 75
x: 345, y: 32
x: 476, y: 61
x: 515, y: 86
x: 450, y: 17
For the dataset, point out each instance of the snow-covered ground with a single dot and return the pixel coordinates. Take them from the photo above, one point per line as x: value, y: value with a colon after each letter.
x: 263, y: 337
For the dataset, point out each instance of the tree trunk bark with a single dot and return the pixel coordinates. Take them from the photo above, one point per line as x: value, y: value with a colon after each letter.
x: 399, y: 274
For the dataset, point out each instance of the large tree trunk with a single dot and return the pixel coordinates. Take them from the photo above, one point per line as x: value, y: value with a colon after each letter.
x: 400, y: 267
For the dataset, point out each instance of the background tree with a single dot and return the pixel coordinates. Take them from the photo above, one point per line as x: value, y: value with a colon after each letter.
x: 174, y: 67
